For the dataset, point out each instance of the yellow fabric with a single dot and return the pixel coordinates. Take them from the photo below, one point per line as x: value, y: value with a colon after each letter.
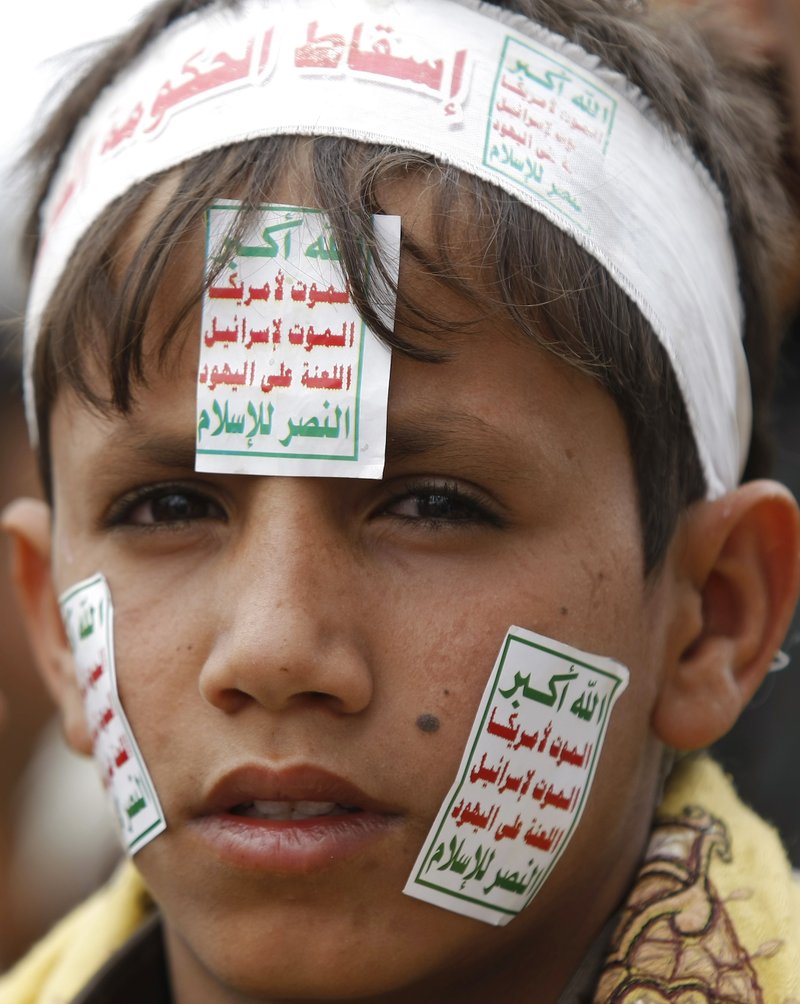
x: 713, y: 916
x: 760, y: 894
x: 61, y: 965
x: 753, y: 892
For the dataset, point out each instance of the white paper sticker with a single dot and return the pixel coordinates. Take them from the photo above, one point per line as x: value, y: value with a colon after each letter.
x: 523, y: 781
x: 87, y: 613
x: 291, y: 381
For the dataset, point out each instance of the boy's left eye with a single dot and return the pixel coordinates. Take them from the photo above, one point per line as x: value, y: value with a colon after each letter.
x: 442, y: 504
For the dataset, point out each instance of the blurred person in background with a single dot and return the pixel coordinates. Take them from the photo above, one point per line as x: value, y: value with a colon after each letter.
x: 26, y: 705
x: 47, y: 863
x: 765, y: 744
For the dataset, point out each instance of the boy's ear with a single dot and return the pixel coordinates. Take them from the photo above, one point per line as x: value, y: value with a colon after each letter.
x: 739, y: 575
x: 28, y: 522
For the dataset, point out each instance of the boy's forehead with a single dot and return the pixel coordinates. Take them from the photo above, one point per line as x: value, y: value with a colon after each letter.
x: 410, y: 194
x: 459, y: 408
x: 496, y: 406
x: 467, y: 259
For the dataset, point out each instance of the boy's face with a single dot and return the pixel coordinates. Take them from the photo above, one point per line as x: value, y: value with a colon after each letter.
x: 328, y: 641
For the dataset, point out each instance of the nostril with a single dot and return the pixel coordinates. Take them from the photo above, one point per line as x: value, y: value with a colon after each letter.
x: 229, y: 700
x: 318, y: 699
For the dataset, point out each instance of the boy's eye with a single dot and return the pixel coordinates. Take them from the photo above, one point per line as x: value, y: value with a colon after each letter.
x: 442, y: 504
x: 164, y: 506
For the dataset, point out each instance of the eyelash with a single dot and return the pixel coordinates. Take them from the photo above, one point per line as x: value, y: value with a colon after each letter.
x: 475, y: 508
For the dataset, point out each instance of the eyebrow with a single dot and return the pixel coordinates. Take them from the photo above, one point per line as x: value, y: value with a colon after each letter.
x: 456, y: 437
x: 416, y: 434
x: 164, y: 451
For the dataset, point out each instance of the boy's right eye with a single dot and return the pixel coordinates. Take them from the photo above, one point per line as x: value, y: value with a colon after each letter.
x: 163, y: 505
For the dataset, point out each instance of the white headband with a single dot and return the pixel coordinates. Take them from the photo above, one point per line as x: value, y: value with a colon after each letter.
x: 488, y: 91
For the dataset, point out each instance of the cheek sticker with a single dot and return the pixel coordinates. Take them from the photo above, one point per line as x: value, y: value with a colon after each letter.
x: 87, y: 613
x: 523, y: 781
x: 291, y: 380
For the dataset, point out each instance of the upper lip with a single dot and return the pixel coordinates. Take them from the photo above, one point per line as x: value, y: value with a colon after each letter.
x: 296, y: 783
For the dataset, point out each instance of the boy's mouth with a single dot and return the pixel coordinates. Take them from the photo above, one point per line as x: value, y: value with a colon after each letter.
x: 294, y: 820
x: 280, y: 811
x: 294, y: 793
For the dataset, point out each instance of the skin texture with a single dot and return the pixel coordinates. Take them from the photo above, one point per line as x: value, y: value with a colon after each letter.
x: 279, y: 622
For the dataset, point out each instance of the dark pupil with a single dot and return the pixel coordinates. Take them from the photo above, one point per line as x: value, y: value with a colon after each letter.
x: 175, y: 507
x: 436, y: 506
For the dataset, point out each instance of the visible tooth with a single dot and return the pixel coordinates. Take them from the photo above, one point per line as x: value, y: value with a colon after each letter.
x: 272, y: 808
x: 302, y: 809
x: 291, y: 810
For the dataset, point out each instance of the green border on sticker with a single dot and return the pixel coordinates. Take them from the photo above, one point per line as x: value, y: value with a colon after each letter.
x: 79, y: 588
x: 310, y: 456
x: 352, y: 458
x: 545, y: 872
x: 133, y: 847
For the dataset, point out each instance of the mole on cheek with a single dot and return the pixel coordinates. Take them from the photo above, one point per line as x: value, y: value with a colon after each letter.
x: 428, y: 723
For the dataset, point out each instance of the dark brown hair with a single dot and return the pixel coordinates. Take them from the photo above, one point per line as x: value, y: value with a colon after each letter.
x: 701, y: 86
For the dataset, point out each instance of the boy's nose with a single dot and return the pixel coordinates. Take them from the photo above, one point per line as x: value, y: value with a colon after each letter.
x: 288, y: 615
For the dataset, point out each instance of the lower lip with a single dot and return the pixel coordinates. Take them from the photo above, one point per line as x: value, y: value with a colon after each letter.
x: 292, y: 847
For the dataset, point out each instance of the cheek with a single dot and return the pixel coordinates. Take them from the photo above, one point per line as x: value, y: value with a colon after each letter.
x: 160, y: 644
x: 435, y: 647
x: 444, y: 631
x: 442, y: 664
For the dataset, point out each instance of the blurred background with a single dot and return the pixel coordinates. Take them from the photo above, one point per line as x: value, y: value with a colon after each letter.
x: 56, y: 834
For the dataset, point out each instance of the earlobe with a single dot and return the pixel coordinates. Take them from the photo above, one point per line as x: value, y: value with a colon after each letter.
x: 27, y: 521
x: 740, y: 568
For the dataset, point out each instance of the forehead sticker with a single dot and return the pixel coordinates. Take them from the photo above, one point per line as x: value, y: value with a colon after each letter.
x: 523, y: 781
x: 291, y: 381
x: 87, y: 613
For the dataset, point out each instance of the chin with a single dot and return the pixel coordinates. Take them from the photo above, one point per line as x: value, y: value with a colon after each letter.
x: 302, y: 953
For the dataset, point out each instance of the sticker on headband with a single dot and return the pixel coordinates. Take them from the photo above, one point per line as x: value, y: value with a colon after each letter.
x: 291, y: 380
x: 523, y: 781
x: 88, y: 613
